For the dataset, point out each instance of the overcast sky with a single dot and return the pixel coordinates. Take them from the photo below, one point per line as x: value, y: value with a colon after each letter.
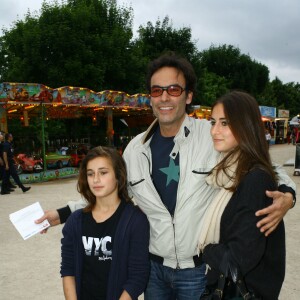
x: 267, y: 30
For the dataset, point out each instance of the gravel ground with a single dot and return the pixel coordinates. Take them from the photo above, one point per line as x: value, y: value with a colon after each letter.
x: 30, y: 269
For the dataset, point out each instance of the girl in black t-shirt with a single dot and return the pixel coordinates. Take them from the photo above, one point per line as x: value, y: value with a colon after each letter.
x: 105, y: 245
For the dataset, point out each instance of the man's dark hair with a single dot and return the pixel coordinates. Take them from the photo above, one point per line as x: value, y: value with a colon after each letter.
x: 173, y: 60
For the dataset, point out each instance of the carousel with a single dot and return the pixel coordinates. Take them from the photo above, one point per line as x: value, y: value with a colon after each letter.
x: 26, y: 100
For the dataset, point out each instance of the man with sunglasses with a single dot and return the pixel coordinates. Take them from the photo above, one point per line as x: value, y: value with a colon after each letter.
x: 166, y: 167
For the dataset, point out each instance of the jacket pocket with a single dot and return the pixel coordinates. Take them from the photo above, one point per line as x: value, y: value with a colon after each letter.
x: 202, y: 171
x: 133, y: 183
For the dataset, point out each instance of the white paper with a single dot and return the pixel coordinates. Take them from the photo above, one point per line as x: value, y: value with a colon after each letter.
x: 24, y: 218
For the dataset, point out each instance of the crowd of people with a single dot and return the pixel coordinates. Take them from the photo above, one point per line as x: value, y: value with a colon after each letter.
x: 7, y: 166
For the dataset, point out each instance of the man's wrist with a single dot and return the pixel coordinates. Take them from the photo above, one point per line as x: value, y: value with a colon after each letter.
x: 64, y: 213
x: 286, y: 189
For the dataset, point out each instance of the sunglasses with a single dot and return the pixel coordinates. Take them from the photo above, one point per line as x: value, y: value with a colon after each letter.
x: 173, y: 90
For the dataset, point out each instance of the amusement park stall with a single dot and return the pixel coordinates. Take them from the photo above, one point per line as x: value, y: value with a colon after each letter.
x: 282, y: 126
x: 24, y: 100
x: 268, y: 116
x: 277, y: 125
x: 20, y: 100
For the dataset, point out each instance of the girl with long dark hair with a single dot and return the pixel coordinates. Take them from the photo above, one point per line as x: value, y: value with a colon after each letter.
x: 232, y: 243
x: 105, y: 245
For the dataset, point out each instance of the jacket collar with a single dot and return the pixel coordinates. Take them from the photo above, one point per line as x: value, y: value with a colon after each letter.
x: 183, y: 132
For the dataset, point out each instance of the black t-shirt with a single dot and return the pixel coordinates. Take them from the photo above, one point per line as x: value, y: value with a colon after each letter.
x: 1, y: 149
x: 6, y: 147
x: 97, y: 240
x: 165, y: 169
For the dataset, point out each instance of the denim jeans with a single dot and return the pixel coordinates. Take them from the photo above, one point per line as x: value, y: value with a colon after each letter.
x: 169, y: 284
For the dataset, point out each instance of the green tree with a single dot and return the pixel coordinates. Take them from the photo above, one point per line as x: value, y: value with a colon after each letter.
x: 89, y: 43
x: 282, y: 96
x: 81, y: 43
x: 268, y: 98
x: 213, y: 86
x: 240, y: 71
x: 157, y: 39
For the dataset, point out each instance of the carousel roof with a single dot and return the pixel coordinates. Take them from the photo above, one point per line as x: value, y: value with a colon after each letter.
x: 68, y: 101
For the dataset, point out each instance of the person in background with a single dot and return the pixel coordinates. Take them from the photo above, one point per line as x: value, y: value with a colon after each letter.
x: 166, y: 167
x: 244, y: 173
x: 288, y: 135
x: 293, y: 136
x: 6, y: 187
x: 268, y: 137
x: 297, y: 135
x: 1, y: 154
x: 105, y: 245
x: 9, y: 164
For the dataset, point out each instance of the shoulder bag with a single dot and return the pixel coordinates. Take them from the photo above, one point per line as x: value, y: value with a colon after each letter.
x: 230, y: 285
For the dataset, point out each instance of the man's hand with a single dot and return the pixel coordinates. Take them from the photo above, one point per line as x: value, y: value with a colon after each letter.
x: 125, y: 296
x: 282, y: 202
x: 52, y: 216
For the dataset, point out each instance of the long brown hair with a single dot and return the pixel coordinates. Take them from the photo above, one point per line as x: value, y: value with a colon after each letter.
x: 244, y: 119
x: 119, y: 167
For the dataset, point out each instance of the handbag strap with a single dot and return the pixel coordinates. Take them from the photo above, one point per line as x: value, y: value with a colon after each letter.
x: 243, y: 289
x: 234, y: 271
x: 230, y: 269
x: 218, y: 292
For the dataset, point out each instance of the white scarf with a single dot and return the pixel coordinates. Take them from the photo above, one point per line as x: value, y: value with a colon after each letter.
x: 210, y: 231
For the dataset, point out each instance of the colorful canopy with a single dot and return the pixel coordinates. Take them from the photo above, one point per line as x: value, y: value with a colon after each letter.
x: 68, y: 95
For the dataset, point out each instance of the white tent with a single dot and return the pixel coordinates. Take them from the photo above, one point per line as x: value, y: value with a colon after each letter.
x: 295, y: 121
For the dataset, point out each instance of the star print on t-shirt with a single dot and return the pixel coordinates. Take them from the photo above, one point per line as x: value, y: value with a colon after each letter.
x: 172, y: 172
x: 165, y: 169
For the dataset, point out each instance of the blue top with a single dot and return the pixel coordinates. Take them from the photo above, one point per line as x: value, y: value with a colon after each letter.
x: 130, y: 260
